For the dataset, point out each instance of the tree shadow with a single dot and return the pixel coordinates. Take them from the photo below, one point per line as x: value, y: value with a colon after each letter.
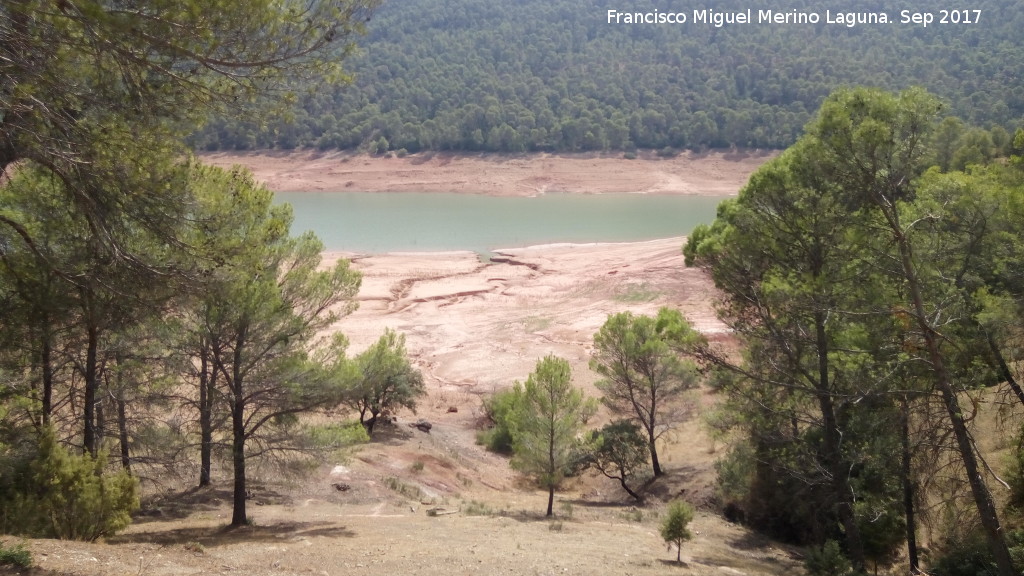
x: 392, y: 433
x: 525, y: 517
x: 673, y: 563
x: 179, y: 505
x: 669, y: 486
x: 751, y: 541
x: 603, y: 504
x: 211, y: 536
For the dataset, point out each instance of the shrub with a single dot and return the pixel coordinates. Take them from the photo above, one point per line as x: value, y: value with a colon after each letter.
x: 828, y: 560
x: 475, y: 508
x: 567, y: 509
x: 633, y: 515
x: 69, y: 497
x: 195, y: 547
x: 336, y: 437
x: 17, y: 556
x: 971, y: 555
x: 499, y: 409
x: 410, y: 492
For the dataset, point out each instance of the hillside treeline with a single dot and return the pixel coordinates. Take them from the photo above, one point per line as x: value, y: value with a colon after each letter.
x: 877, y: 300
x: 532, y: 75
x: 149, y: 306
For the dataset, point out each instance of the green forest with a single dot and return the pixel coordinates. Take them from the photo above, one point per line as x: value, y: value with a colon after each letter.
x: 877, y: 301
x: 538, y: 75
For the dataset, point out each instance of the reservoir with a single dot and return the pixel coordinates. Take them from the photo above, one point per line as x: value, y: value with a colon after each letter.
x: 374, y: 223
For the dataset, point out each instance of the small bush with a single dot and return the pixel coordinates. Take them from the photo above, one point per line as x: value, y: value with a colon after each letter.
x: 337, y: 436
x: 629, y: 155
x: 500, y: 408
x: 195, y: 547
x: 474, y: 508
x: 674, y: 528
x: 497, y: 440
x: 17, y: 556
x: 417, y: 466
x: 633, y: 515
x: 971, y: 556
x: 828, y: 560
x: 410, y: 492
x: 567, y: 509
x: 69, y: 497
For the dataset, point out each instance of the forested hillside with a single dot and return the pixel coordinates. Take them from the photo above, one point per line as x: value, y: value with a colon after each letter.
x: 554, y: 75
x: 877, y: 301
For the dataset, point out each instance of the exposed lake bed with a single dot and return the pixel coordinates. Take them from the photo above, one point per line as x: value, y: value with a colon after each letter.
x: 474, y: 323
x: 708, y: 174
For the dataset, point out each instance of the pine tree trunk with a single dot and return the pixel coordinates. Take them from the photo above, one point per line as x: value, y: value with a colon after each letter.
x: 1004, y: 369
x: 101, y: 423
x: 908, y: 488
x: 122, y: 434
x: 629, y: 491
x: 944, y: 383
x: 46, y: 361
x: 834, y: 461
x: 651, y: 428
x: 91, y: 387
x: 207, y: 378
x: 654, y: 456
x: 238, y: 515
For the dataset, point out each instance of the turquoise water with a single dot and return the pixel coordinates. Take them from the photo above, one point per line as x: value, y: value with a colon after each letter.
x: 390, y: 222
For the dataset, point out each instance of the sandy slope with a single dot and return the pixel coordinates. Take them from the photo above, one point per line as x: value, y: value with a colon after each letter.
x: 713, y: 173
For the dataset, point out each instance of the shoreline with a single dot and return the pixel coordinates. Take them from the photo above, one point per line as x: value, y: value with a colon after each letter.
x: 717, y: 173
x: 571, y: 245
x: 507, y: 251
